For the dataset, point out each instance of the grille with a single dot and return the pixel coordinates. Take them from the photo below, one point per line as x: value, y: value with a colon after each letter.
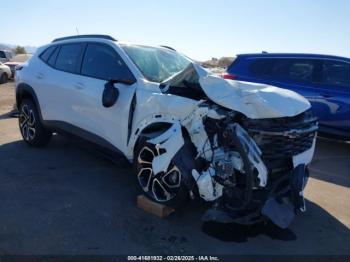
x: 283, y: 137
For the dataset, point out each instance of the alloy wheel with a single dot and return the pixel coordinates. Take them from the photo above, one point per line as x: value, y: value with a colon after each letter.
x: 27, y: 123
x: 162, y: 186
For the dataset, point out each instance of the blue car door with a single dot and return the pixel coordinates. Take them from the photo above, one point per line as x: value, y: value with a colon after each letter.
x: 334, y: 94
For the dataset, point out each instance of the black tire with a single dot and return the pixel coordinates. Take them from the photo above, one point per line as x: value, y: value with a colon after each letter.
x: 32, y: 130
x: 4, y: 78
x: 179, y: 192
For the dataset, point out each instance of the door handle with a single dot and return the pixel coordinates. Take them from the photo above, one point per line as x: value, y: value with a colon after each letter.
x: 39, y: 76
x: 79, y: 86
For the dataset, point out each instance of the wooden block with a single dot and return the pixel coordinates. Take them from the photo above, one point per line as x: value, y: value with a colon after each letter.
x: 154, y: 208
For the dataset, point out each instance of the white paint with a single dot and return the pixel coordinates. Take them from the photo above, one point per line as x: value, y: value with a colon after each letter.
x: 208, y: 189
x: 306, y: 156
x: 171, y: 141
x: 194, y: 125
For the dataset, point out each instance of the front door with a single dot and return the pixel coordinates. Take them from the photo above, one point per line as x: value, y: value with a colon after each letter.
x: 101, y: 63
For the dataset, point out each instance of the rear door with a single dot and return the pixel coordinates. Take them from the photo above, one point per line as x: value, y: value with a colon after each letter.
x: 58, y: 82
x: 334, y: 94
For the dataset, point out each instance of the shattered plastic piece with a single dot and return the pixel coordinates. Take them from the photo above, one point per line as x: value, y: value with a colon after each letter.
x: 305, y: 157
x: 208, y: 189
x: 171, y: 141
x: 298, y: 181
x: 253, y: 152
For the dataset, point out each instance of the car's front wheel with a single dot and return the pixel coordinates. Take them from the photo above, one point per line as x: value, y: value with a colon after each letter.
x: 167, y: 187
x: 32, y: 130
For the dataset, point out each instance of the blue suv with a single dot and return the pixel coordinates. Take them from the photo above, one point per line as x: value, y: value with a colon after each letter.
x: 324, y: 80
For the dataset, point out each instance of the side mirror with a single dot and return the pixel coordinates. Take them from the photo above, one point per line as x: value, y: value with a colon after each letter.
x: 110, y: 94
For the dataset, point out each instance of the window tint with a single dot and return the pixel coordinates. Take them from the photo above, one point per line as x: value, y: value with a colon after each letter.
x: 336, y: 73
x: 262, y: 67
x: 101, y: 61
x: 52, y: 59
x: 69, y: 57
x: 301, y: 70
x: 2, y: 54
x: 284, y: 69
x: 46, y: 54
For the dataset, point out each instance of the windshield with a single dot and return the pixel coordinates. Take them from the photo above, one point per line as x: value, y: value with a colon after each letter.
x: 156, y: 64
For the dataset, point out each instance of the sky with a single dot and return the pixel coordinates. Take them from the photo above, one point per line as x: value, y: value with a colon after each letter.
x: 201, y: 29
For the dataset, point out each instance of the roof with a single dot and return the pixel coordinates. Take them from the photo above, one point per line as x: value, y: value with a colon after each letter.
x: 107, y: 37
x: 294, y: 55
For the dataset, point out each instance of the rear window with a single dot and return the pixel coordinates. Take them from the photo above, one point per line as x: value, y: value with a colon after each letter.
x: 336, y: 73
x: 68, y: 58
x: 53, y: 57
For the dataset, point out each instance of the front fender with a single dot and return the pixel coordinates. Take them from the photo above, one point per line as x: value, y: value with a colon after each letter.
x: 171, y: 141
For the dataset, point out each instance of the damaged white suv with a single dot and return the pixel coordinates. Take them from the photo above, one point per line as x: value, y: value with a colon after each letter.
x: 244, y: 147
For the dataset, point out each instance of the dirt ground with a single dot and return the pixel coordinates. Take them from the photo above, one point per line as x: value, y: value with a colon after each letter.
x: 64, y: 199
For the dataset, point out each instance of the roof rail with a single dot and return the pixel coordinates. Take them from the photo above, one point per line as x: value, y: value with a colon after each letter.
x: 168, y: 47
x: 107, y: 37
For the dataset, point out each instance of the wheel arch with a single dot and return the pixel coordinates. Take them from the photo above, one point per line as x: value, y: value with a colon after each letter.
x: 153, y: 129
x: 25, y: 91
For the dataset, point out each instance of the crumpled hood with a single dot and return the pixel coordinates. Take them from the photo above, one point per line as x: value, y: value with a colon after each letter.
x: 253, y: 100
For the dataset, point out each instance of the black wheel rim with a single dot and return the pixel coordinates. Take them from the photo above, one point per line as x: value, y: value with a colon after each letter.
x: 162, y: 186
x: 27, y: 123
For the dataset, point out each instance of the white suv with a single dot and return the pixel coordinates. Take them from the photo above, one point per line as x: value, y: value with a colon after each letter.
x: 244, y: 147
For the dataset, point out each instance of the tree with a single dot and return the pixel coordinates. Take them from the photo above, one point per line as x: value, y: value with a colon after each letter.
x: 19, y: 50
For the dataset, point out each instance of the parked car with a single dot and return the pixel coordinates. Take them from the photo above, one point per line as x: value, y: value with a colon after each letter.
x: 17, y: 60
x: 324, y: 80
x: 5, y: 73
x: 5, y: 56
x: 243, y: 147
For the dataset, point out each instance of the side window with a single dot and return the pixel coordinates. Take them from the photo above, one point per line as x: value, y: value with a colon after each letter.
x: 53, y: 57
x: 262, y: 67
x: 300, y: 70
x: 46, y: 54
x: 101, y: 61
x: 68, y: 58
x: 336, y: 73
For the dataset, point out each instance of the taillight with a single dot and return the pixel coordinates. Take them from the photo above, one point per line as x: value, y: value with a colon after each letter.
x: 228, y: 76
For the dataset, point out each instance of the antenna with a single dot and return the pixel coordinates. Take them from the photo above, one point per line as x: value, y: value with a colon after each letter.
x: 76, y: 28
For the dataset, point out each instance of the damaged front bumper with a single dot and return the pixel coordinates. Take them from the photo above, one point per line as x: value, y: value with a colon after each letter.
x: 279, y: 202
x: 281, y: 198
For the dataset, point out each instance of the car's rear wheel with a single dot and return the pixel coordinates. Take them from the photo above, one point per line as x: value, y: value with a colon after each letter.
x: 167, y: 187
x: 32, y: 130
x: 3, y: 78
